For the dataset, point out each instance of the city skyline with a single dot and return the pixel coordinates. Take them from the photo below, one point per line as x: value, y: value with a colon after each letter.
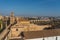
x: 30, y: 7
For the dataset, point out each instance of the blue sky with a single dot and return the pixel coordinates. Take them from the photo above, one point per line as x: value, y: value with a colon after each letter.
x: 30, y: 7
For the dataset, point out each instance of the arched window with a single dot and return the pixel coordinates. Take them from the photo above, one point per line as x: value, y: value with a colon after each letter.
x: 22, y: 34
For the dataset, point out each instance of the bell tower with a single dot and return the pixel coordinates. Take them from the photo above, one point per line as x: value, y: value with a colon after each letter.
x: 12, y: 18
x: 12, y: 14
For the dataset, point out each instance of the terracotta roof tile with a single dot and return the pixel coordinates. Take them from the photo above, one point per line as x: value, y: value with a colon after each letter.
x: 42, y: 33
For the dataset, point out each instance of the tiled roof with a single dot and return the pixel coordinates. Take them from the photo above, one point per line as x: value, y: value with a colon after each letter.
x: 15, y: 39
x: 42, y: 33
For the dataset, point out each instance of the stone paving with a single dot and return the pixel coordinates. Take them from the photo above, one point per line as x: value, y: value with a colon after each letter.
x: 3, y: 34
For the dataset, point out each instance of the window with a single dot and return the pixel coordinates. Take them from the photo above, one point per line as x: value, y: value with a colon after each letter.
x: 22, y: 34
x: 16, y: 29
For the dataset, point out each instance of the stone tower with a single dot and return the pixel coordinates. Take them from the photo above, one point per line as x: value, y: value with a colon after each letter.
x: 12, y: 14
x: 12, y: 18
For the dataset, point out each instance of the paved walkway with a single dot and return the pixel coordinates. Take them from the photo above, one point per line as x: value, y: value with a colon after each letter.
x: 4, y: 33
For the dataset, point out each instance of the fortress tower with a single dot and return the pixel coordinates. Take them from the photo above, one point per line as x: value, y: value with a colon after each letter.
x: 12, y: 18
